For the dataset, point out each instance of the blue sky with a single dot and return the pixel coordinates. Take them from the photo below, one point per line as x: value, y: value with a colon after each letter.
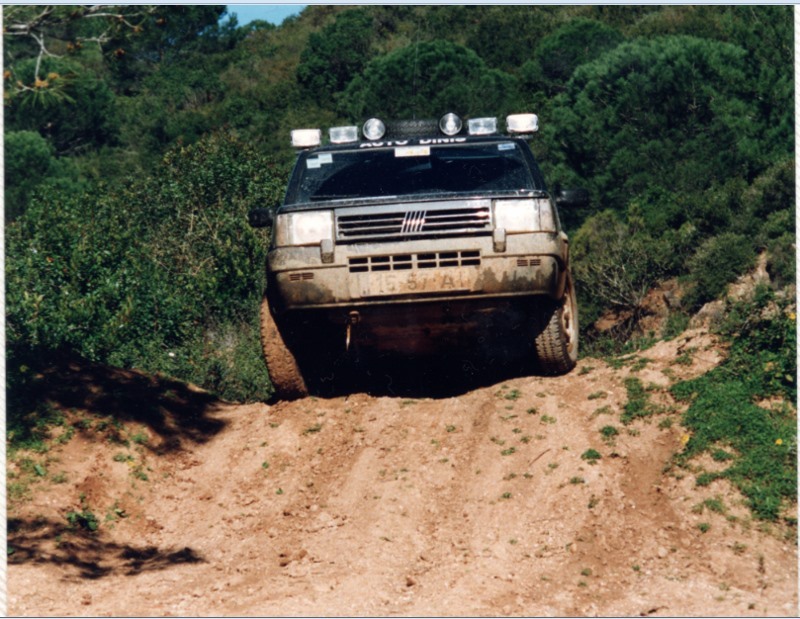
x: 272, y: 13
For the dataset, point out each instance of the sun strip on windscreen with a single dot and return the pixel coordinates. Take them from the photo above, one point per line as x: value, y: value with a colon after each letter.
x: 412, y: 151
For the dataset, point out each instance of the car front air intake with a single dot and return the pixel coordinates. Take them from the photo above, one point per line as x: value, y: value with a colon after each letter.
x: 414, y: 220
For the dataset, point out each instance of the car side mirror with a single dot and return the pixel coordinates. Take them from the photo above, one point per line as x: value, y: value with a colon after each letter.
x: 260, y: 217
x: 572, y: 197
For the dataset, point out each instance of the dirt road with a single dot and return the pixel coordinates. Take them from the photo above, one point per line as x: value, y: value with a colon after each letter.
x: 490, y: 502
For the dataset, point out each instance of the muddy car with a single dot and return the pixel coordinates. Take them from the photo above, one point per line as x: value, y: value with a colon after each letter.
x: 417, y: 239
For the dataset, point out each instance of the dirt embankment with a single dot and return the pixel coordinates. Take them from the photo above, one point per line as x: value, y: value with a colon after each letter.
x: 486, y: 503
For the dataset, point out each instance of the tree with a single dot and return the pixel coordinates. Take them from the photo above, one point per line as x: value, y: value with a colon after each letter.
x: 83, y: 115
x: 42, y: 32
x: 169, y: 34
x: 503, y: 36
x: 675, y: 112
x: 427, y: 80
x: 132, y: 38
x: 336, y: 54
x: 558, y: 54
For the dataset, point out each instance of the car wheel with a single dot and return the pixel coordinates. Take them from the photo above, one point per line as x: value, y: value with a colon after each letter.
x: 284, y: 371
x: 557, y: 334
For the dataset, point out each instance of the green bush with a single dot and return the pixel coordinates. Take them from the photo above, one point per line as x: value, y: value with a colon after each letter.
x: 164, y: 275
x: 781, y: 260
x: 718, y: 262
x: 724, y: 405
x: 616, y: 262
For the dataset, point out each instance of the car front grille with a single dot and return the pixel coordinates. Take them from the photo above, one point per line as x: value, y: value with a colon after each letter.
x: 407, y: 262
x: 433, y: 219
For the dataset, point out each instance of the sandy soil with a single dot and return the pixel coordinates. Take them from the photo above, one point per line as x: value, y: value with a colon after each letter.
x: 476, y: 504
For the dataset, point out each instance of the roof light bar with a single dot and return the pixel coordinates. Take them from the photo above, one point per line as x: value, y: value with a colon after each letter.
x: 374, y: 129
x: 306, y: 138
x: 343, y: 135
x: 482, y: 126
x: 450, y: 124
x: 522, y: 123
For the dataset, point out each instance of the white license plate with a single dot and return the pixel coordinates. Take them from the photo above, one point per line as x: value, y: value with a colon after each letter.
x: 415, y: 282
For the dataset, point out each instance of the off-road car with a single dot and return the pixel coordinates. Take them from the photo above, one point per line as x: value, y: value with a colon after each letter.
x: 416, y: 238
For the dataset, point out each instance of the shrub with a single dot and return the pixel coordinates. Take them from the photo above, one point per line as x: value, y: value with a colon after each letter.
x: 617, y: 263
x: 718, y: 262
x: 164, y: 274
x: 724, y: 412
x: 781, y: 260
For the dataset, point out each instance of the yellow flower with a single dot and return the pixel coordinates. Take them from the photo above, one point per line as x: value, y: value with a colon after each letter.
x: 40, y: 83
x: 792, y: 316
x: 779, y: 441
x: 685, y: 439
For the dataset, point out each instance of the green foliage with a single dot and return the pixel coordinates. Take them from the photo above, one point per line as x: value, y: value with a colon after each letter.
x: 782, y: 260
x: 717, y: 262
x: 558, y: 55
x: 609, y: 432
x: 769, y: 203
x: 84, y: 519
x: 673, y: 112
x: 638, y: 404
x: 504, y: 36
x: 336, y: 54
x: 101, y: 280
x: 28, y: 420
x: 725, y: 411
x: 166, y: 34
x: 591, y: 456
x: 28, y: 159
x: 425, y: 80
x: 71, y: 107
x: 617, y: 263
x: 30, y: 164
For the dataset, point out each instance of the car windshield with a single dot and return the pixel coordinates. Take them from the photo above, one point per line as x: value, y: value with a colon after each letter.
x: 411, y: 170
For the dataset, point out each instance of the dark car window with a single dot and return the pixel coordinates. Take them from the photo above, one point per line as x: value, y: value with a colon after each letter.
x: 411, y: 170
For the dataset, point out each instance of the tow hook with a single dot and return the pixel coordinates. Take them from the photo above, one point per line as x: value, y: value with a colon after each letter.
x: 352, y: 320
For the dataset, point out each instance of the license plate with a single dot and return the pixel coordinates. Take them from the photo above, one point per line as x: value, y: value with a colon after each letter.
x: 384, y: 283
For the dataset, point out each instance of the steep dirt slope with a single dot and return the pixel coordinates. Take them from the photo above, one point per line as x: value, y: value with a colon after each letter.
x: 483, y: 504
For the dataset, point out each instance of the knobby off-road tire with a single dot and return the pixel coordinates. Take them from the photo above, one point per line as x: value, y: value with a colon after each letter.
x: 284, y: 372
x: 557, y: 334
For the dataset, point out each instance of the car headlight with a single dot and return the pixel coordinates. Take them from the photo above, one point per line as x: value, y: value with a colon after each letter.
x: 303, y: 228
x: 516, y: 215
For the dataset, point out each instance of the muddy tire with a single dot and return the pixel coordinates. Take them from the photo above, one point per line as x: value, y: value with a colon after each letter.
x: 284, y: 372
x: 557, y: 334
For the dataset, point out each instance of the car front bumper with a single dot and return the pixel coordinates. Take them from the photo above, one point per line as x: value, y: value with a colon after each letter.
x: 481, y: 268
